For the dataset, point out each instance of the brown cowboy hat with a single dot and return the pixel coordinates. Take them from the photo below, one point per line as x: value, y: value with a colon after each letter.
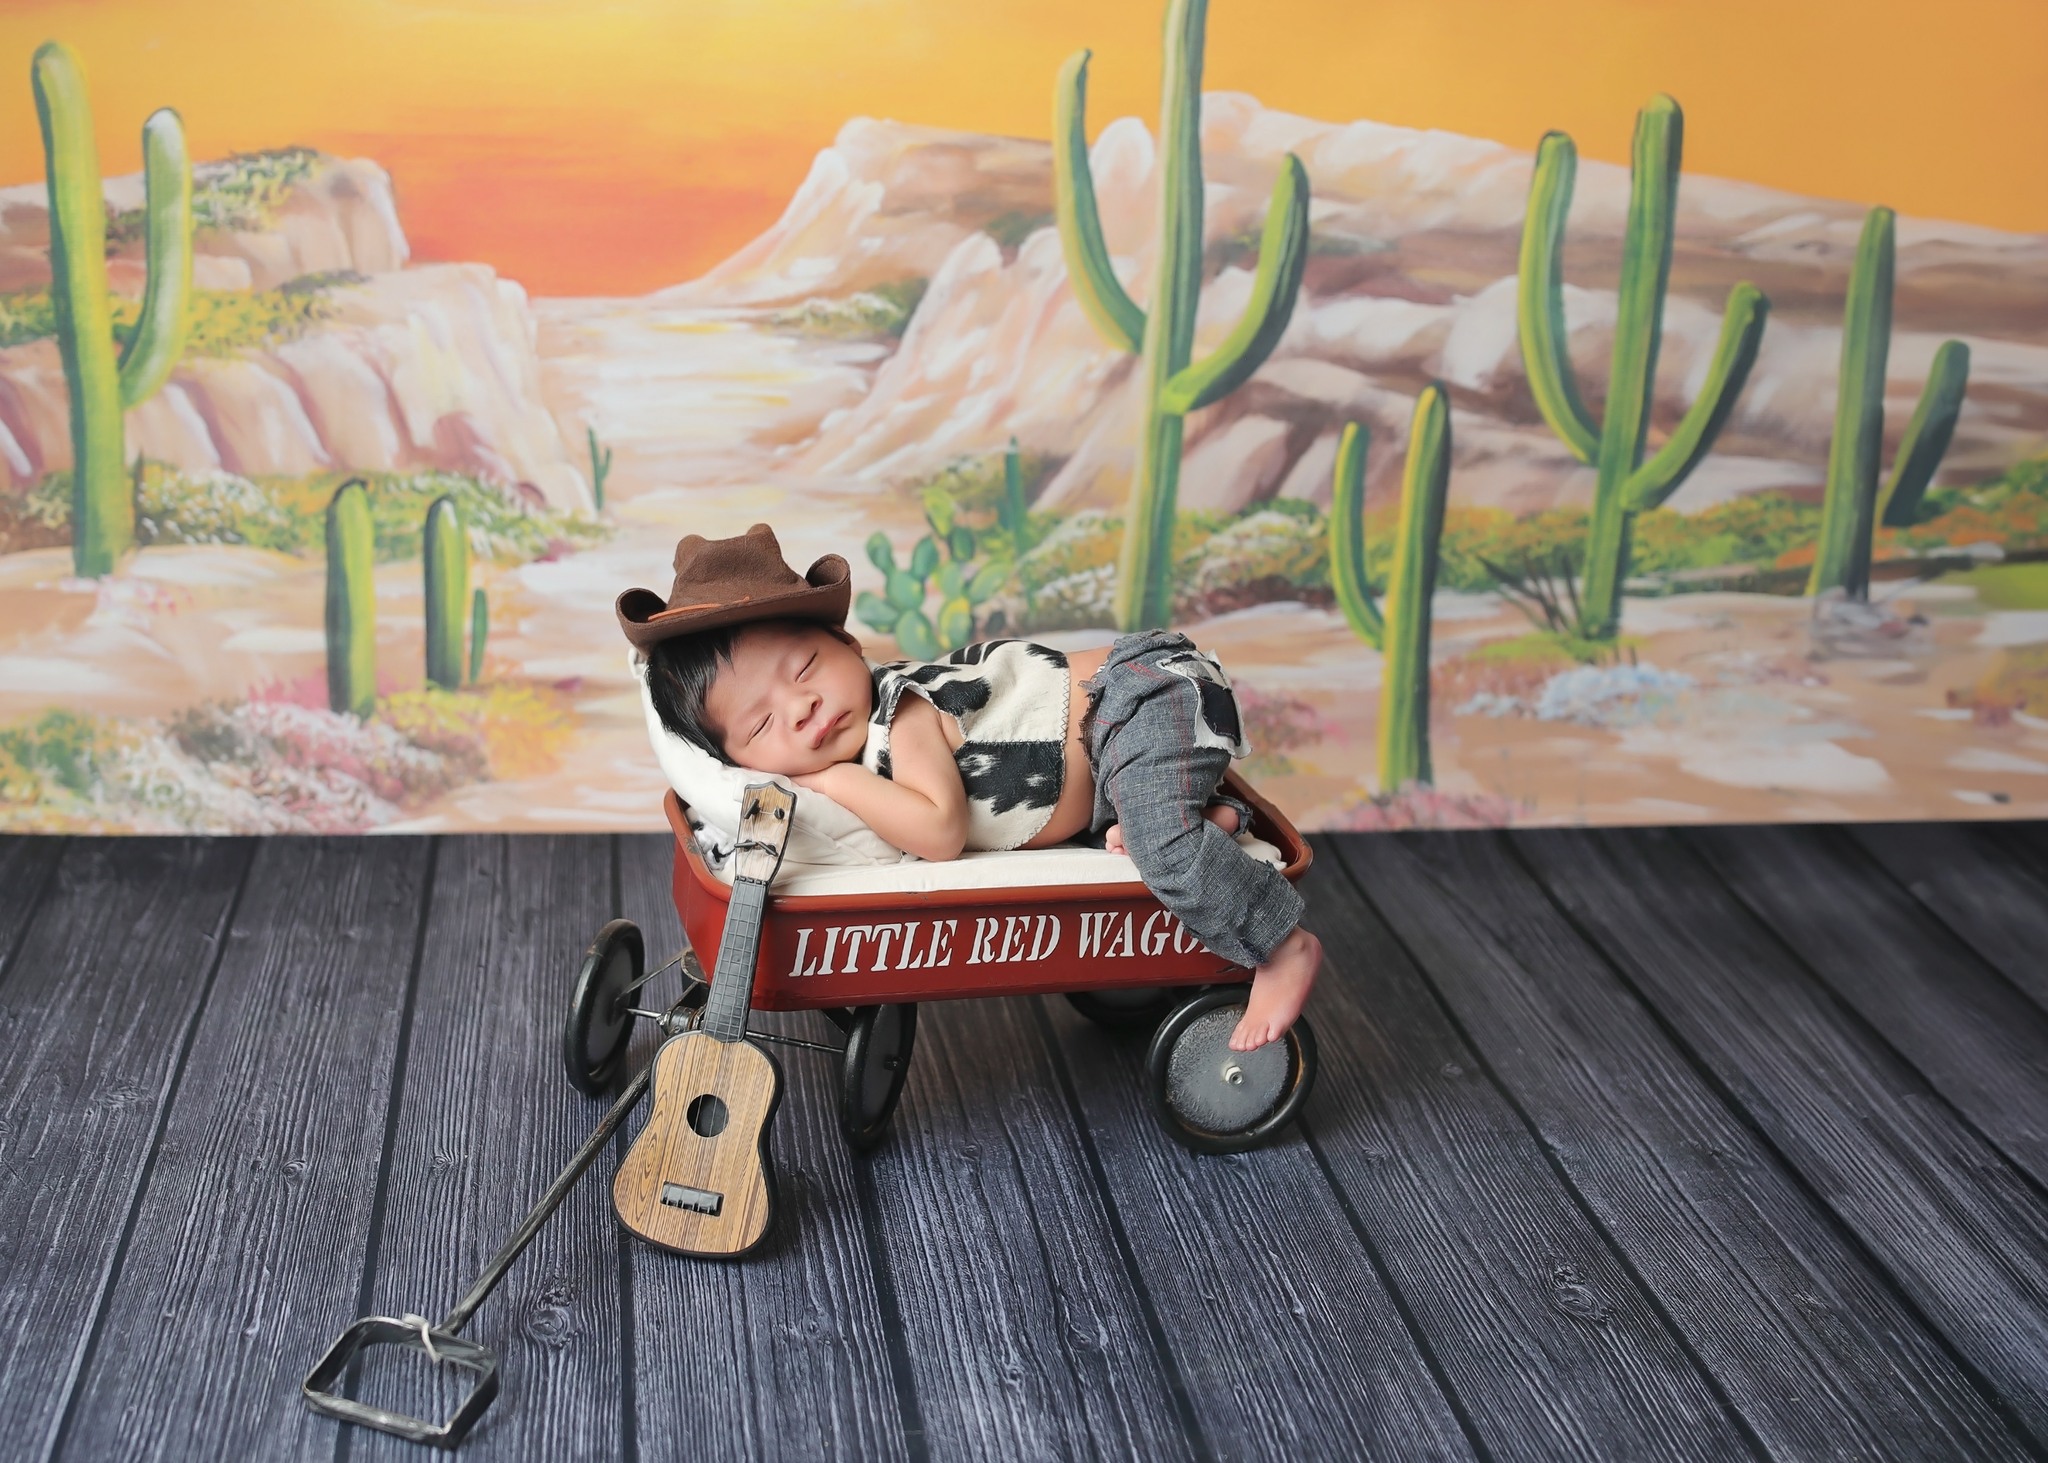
x: 734, y: 581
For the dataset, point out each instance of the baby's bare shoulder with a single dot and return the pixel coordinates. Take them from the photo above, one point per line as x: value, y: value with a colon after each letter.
x: 920, y: 718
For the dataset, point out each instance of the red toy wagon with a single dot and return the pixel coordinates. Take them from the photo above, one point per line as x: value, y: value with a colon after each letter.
x: 866, y: 959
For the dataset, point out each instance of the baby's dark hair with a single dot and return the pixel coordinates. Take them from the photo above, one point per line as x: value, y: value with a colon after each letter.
x: 680, y: 671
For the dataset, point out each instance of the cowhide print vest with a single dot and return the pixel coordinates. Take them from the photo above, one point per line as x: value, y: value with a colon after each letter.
x: 1010, y: 699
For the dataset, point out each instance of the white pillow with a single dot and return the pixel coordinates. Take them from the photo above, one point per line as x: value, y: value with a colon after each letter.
x: 824, y: 833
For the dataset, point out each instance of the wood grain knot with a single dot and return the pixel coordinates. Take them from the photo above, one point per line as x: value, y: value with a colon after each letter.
x: 1572, y: 1296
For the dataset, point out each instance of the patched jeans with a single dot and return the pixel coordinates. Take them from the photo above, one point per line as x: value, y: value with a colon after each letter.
x: 1162, y: 727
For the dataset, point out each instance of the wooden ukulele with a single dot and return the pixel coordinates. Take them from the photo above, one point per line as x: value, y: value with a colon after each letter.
x: 697, y: 1180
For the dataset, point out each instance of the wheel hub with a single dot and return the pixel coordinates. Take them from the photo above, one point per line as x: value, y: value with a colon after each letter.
x: 1215, y: 1088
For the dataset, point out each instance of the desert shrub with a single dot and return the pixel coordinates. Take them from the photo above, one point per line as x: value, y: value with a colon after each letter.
x: 228, y: 322
x: 223, y: 322
x: 503, y: 527
x: 1078, y: 544
x: 27, y: 315
x: 503, y: 728
x: 1262, y: 556
x: 1240, y: 250
x: 19, y: 784
x: 975, y: 484
x: 207, y: 506
x: 1011, y: 229
x: 2010, y: 510
x: 237, y: 194
x: 882, y: 311
x: 1759, y: 529
x: 64, y: 749
x: 1278, y: 549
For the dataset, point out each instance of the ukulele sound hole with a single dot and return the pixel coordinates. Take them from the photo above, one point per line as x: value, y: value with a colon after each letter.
x: 706, y: 1115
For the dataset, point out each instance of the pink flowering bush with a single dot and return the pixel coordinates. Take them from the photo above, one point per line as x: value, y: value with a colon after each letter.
x: 280, y: 762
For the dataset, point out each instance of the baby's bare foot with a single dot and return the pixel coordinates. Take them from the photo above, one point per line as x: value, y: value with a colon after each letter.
x: 1113, y: 838
x: 1280, y: 989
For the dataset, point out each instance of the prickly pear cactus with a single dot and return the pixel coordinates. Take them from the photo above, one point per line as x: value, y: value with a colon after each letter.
x: 961, y: 586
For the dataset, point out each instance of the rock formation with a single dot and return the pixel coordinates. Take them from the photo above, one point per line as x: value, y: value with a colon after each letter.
x: 1411, y: 278
x: 412, y: 367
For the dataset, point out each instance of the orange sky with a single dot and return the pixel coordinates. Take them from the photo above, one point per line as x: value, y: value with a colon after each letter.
x: 614, y: 146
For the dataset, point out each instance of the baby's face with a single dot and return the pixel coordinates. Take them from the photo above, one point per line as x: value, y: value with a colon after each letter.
x: 794, y: 700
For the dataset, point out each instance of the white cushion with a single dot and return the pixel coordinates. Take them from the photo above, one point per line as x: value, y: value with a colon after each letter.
x: 1066, y: 863
x: 825, y: 833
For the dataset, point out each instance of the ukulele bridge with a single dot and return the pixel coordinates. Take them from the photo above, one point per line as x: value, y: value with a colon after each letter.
x: 697, y: 1201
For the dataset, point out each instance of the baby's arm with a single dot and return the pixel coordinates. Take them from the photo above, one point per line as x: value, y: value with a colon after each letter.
x: 924, y: 809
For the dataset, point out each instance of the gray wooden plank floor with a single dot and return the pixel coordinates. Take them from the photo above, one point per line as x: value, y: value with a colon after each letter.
x: 1715, y: 1144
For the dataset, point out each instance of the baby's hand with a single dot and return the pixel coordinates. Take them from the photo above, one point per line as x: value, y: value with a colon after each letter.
x: 825, y: 779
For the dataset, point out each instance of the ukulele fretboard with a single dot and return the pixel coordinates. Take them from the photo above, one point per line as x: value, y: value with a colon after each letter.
x: 732, y: 986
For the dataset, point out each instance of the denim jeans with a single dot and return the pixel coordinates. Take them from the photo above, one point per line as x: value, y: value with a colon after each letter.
x: 1162, y: 727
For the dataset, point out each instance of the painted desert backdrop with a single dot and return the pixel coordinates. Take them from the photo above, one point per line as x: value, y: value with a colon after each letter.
x: 1541, y: 431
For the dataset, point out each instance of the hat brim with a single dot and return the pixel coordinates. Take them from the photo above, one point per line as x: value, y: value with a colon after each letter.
x: 825, y: 595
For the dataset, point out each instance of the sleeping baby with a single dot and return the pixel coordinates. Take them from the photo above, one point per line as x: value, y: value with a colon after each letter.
x: 1004, y: 744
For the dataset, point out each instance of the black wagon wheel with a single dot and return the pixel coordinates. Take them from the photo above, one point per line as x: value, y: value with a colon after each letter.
x: 872, y: 1070
x: 1216, y: 1100
x: 599, y: 1024
x: 1128, y: 1008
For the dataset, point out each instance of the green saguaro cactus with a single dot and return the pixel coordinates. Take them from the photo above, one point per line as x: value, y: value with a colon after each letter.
x: 1626, y: 485
x: 1014, y: 516
x: 1854, y: 506
x: 1347, y: 538
x: 351, y: 602
x: 600, y: 467
x: 479, y: 631
x: 1402, y: 633
x: 101, y: 387
x: 445, y: 564
x: 1164, y: 336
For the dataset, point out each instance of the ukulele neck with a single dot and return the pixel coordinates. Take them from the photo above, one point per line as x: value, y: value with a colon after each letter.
x: 766, y: 809
x: 725, y: 1012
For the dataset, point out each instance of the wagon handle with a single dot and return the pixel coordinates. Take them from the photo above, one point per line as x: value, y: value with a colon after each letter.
x: 443, y: 1342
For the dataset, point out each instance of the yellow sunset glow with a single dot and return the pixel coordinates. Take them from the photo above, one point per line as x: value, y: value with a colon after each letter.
x: 619, y: 145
